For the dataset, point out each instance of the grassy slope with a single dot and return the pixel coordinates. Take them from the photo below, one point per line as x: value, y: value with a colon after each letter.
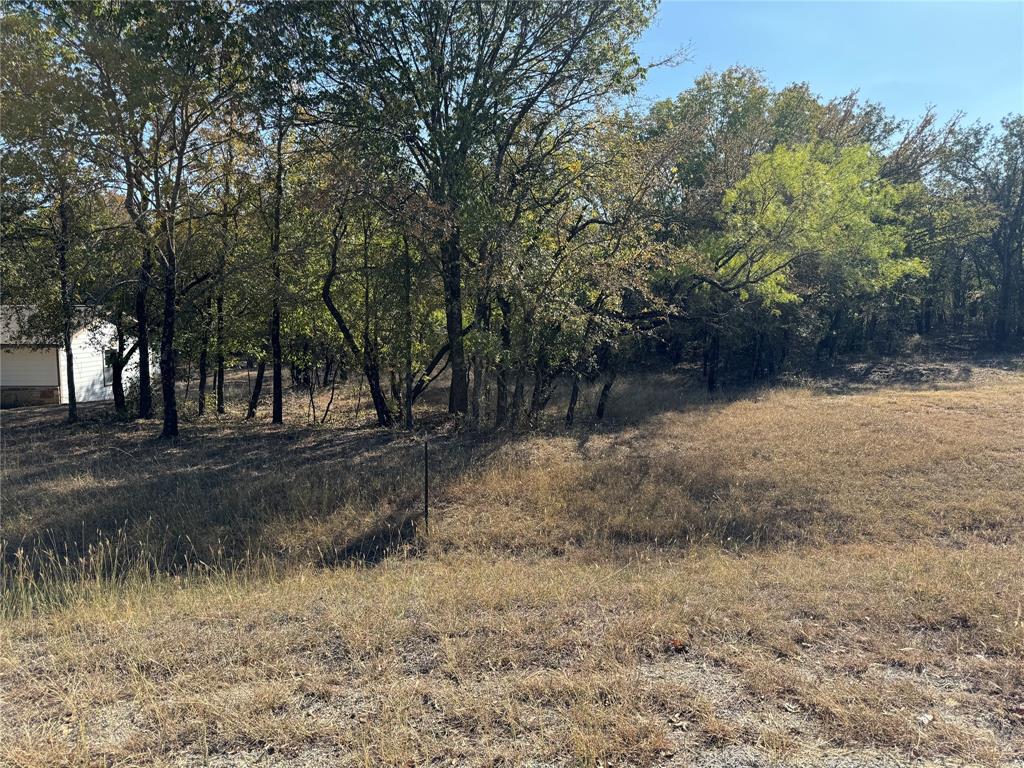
x: 790, y: 574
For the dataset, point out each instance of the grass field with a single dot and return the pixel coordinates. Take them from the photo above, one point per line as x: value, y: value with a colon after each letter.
x: 830, y: 574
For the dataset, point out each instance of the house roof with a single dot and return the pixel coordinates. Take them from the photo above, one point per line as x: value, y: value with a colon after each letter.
x: 15, y: 321
x: 17, y: 326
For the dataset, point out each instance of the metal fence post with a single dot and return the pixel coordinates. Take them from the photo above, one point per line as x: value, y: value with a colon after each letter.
x: 426, y: 487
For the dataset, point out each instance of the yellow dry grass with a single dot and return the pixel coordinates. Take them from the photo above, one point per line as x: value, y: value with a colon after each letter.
x: 791, y: 576
x: 783, y: 465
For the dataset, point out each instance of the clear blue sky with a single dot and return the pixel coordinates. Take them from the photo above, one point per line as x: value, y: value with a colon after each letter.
x: 965, y: 56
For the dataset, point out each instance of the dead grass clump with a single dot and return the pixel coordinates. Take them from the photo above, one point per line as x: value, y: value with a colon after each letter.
x: 479, y: 660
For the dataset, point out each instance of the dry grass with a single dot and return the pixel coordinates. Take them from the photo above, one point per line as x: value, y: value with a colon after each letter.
x: 787, y: 465
x: 791, y: 576
x: 495, y: 661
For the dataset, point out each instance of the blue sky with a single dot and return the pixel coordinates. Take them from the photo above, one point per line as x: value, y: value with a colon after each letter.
x: 965, y: 56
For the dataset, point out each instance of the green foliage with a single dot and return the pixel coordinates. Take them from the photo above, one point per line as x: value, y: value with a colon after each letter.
x: 488, y: 199
x: 811, y: 203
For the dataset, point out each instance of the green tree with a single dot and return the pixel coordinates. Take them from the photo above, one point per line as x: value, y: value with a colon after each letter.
x: 157, y: 73
x: 457, y: 84
x: 987, y: 169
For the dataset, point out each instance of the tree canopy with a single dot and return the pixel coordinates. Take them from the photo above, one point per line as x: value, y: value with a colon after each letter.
x: 405, y: 190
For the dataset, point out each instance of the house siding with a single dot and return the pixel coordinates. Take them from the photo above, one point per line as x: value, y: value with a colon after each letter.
x: 28, y: 367
x: 35, y: 373
x: 28, y: 376
x: 87, y: 350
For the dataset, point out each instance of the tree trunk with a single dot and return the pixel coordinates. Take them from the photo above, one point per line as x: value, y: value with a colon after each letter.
x: 574, y: 396
x: 66, y: 302
x: 501, y: 396
x: 275, y: 257
x: 538, y: 399
x: 202, y: 380
x: 451, y: 262
x: 142, y: 333
x: 477, y: 393
x: 219, y: 371
x: 167, y: 361
x: 518, y: 394
x: 371, y: 354
x: 135, y: 208
x: 380, y: 403
x: 222, y: 258
x: 602, y: 400
x: 501, y: 377
x: 519, y: 390
x: 479, y: 363
x: 328, y: 367
x: 254, y: 398
x: 168, y: 354
x: 204, y: 355
x: 544, y: 386
x: 312, y: 401
x: 711, y: 357
x: 116, y: 371
x: 368, y: 354
x: 277, y: 408
x: 407, y: 298
x: 330, y: 400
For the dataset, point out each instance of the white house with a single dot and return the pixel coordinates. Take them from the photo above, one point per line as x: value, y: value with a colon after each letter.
x: 33, y: 370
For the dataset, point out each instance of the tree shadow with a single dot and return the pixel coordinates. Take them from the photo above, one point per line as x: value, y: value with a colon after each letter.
x: 914, y: 372
x: 231, y: 490
x: 377, y: 544
x: 225, y: 492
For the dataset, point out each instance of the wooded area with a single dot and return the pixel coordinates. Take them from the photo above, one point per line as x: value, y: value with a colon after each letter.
x: 403, y: 190
x: 527, y: 420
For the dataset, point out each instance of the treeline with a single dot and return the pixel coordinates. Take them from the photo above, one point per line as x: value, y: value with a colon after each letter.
x: 403, y: 189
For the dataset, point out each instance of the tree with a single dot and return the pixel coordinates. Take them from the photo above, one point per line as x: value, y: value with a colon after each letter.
x: 283, y: 43
x: 457, y: 83
x: 988, y: 169
x: 43, y: 137
x: 410, y: 189
x: 159, y: 73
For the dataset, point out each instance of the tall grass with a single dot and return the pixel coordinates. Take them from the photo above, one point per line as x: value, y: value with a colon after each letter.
x: 771, y: 469
x: 46, y: 579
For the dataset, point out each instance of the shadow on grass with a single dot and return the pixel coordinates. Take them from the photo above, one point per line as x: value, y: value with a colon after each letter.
x: 229, y: 491
x: 225, y: 492
x: 866, y: 374
x: 379, y: 543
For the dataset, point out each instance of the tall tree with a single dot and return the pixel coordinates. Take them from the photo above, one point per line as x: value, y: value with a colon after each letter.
x: 456, y: 83
x: 988, y: 166
x: 160, y: 72
x: 43, y: 139
x: 284, y: 46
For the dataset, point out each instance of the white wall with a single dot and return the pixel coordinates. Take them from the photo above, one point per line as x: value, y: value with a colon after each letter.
x: 28, y: 367
x: 46, y: 367
x: 87, y: 350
